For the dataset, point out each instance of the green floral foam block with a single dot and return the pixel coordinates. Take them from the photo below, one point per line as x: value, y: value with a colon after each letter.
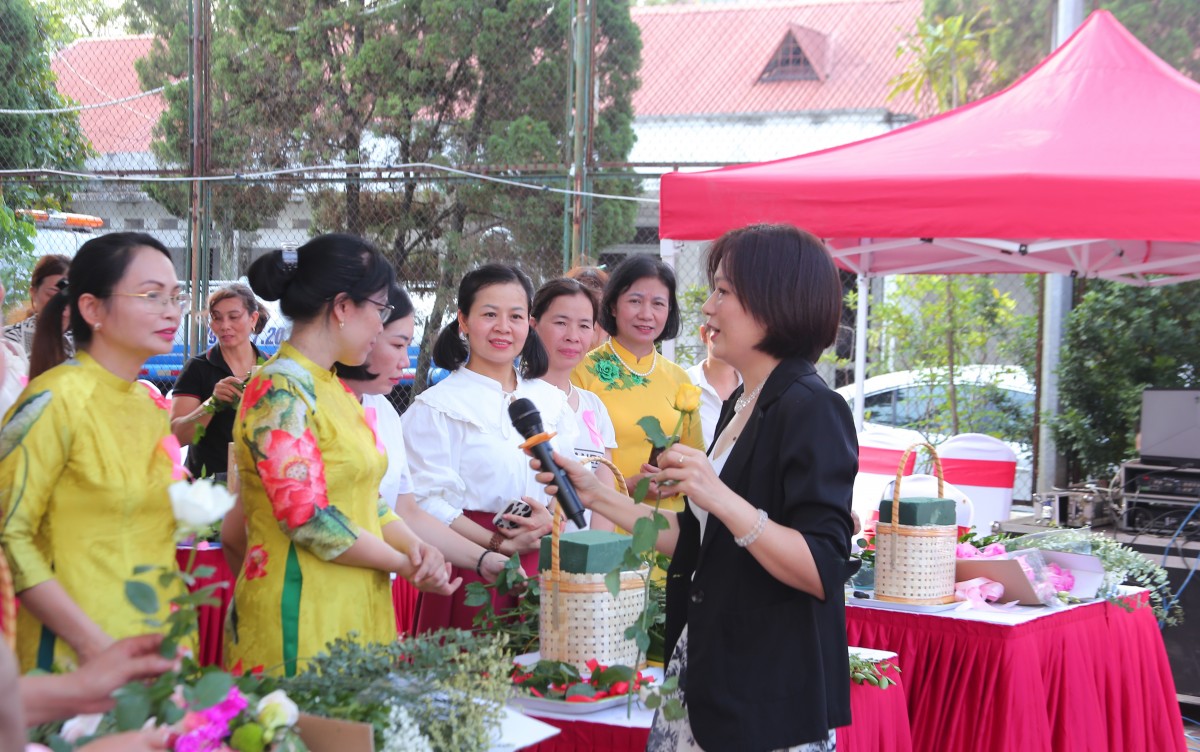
x: 587, y: 551
x: 920, y: 511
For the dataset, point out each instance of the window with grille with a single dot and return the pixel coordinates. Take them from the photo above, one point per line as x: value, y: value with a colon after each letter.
x: 789, y: 63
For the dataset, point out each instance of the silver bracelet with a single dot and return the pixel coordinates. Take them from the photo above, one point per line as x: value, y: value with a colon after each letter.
x: 752, y: 536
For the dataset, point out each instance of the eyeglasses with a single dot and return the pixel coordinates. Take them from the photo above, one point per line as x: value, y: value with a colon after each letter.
x: 159, y: 301
x: 385, y: 310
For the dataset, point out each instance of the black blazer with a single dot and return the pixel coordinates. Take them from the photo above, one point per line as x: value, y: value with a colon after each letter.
x: 767, y: 664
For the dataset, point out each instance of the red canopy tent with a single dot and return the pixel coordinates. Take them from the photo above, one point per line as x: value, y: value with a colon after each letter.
x: 1087, y: 165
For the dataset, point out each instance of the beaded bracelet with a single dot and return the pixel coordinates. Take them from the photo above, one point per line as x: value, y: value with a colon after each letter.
x: 479, y: 564
x: 752, y: 536
x: 496, y: 541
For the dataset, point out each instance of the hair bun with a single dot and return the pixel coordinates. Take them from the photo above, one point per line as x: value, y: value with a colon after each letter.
x: 270, y: 273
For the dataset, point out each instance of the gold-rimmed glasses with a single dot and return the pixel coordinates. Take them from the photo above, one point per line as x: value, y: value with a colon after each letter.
x: 160, y: 301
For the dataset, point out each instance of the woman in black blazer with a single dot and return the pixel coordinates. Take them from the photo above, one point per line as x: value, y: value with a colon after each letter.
x: 756, y: 625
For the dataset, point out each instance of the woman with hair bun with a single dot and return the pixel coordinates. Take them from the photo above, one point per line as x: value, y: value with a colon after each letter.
x: 321, y: 543
x: 86, y: 456
x: 463, y: 451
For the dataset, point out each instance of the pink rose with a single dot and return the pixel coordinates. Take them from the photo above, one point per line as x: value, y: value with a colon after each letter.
x: 965, y: 551
x: 993, y: 549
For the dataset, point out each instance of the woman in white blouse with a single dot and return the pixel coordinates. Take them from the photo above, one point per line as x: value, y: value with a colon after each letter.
x: 372, y: 382
x: 564, y: 316
x: 463, y: 452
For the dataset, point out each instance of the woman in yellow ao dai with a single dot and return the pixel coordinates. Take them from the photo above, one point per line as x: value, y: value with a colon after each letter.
x: 86, y: 457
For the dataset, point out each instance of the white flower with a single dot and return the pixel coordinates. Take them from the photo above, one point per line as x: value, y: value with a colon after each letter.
x: 403, y: 734
x: 198, y: 505
x: 80, y: 726
x: 277, y: 710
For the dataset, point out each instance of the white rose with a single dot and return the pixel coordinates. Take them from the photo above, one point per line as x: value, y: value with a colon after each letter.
x: 277, y: 710
x: 198, y: 505
x: 80, y: 726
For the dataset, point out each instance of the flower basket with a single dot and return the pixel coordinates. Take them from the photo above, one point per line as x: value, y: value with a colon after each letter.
x: 580, y: 619
x: 915, y: 564
x: 8, y: 604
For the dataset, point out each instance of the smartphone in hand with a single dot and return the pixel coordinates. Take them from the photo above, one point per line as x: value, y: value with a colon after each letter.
x: 516, y: 507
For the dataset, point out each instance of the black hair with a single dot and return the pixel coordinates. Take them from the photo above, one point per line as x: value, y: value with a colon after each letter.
x: 325, y: 267
x: 560, y: 287
x: 627, y: 273
x: 401, y: 306
x: 450, y: 352
x: 785, y: 278
x: 96, y: 269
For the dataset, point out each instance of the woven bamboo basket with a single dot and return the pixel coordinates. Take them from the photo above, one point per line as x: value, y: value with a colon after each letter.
x: 580, y: 620
x: 915, y: 564
x: 8, y: 604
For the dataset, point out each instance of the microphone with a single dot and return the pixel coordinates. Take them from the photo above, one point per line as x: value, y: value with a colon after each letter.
x: 526, y: 419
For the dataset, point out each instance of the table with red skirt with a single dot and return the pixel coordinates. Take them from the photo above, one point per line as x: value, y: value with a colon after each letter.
x: 1088, y: 677
x: 880, y: 723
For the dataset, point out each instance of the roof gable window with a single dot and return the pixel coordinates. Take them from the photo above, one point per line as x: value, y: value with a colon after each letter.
x: 789, y: 63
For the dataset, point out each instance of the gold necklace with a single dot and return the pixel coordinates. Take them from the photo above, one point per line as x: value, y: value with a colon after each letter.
x: 621, y: 360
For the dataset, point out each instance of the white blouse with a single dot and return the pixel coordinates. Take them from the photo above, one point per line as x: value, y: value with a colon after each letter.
x: 710, y: 402
x: 463, y: 451
x: 396, y: 480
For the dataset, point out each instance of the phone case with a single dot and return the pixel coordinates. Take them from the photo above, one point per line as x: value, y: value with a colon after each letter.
x: 517, y: 507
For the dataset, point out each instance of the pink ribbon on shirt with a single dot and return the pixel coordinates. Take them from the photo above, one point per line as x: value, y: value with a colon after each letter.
x: 589, y: 420
x: 372, y: 420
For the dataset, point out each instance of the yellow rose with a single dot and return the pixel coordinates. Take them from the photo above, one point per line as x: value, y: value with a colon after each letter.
x: 687, y: 398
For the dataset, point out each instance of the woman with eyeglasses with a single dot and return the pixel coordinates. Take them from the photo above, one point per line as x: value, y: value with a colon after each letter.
x: 321, y: 544
x: 210, y: 385
x: 86, y: 456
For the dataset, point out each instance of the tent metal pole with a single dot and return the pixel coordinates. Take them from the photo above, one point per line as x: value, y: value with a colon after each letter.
x: 860, y: 349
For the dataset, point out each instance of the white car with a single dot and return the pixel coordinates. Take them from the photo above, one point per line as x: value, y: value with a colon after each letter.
x: 994, y: 400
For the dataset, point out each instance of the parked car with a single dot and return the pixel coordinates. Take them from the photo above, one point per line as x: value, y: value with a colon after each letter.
x: 996, y: 400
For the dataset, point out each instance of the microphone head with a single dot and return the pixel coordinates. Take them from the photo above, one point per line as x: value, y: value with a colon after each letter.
x: 525, y: 417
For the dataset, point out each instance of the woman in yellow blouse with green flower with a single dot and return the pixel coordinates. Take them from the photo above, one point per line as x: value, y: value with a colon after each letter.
x: 321, y: 544
x: 640, y: 309
x: 87, y: 454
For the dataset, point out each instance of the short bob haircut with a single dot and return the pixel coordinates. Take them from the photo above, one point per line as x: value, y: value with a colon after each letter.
x: 402, y: 306
x: 786, y: 279
x: 628, y: 273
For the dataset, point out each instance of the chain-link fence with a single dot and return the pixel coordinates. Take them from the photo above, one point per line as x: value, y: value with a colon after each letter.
x: 450, y: 132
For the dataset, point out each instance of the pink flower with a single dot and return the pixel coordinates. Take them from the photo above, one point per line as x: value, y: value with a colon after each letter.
x: 994, y: 549
x: 255, y: 390
x: 293, y: 476
x: 965, y: 551
x: 256, y: 563
x: 1062, y: 579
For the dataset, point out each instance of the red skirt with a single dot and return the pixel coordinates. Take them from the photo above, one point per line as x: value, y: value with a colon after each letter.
x: 451, y: 611
x: 404, y: 601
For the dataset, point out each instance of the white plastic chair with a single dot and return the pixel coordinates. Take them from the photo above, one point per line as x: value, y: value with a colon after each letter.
x: 985, y: 469
x: 879, y: 452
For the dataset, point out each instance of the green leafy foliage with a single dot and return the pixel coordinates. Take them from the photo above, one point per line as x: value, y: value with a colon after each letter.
x: 453, y: 683
x: 863, y: 671
x: 1119, y: 341
x: 518, y: 626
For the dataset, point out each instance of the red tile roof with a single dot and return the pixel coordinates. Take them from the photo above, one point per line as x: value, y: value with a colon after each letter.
x: 101, y: 70
x: 696, y: 59
x: 707, y: 59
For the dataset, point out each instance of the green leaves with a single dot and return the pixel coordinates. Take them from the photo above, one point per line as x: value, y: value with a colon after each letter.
x: 142, y: 597
x: 654, y: 432
x: 210, y: 690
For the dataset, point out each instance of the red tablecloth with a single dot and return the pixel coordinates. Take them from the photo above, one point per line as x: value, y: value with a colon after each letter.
x: 1090, y: 678
x: 212, y: 618
x: 880, y: 725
